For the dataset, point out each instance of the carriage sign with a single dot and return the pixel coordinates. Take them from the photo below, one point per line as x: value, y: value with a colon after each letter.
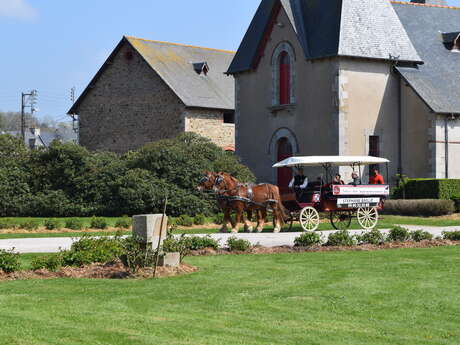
x: 358, y: 202
x: 361, y: 190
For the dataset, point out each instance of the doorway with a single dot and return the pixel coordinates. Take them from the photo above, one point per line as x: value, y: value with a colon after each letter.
x: 284, y: 174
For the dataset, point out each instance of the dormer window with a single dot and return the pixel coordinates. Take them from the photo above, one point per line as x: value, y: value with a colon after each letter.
x: 201, y: 68
x: 451, y: 40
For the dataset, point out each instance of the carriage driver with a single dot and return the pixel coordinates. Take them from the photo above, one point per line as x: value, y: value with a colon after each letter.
x: 299, y: 183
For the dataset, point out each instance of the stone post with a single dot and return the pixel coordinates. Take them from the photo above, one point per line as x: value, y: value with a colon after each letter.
x: 147, y: 229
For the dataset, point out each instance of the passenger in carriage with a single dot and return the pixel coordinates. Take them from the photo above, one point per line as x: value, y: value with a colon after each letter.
x: 299, y: 183
x: 376, y: 178
x: 338, y: 179
x: 355, y: 179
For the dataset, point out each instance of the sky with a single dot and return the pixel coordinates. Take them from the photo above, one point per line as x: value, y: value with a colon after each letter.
x: 54, y: 45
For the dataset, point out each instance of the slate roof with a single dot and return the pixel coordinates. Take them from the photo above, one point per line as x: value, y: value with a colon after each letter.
x: 437, y: 82
x: 355, y: 28
x: 174, y: 63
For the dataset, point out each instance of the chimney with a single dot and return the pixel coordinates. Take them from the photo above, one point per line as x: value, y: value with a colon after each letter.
x: 431, y: 2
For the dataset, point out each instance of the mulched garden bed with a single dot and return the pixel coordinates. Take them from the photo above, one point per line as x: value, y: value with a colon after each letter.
x: 364, y: 247
x: 114, y: 270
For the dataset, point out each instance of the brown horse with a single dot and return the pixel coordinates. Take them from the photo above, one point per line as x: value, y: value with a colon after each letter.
x: 260, y: 197
x: 207, y: 183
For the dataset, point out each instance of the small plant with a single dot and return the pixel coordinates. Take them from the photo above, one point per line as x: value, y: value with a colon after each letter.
x: 51, y: 262
x: 5, y: 226
x: 238, y: 245
x: 185, y: 220
x: 308, y: 239
x: 74, y: 224
x: 451, y: 235
x: 197, y: 243
x: 218, y: 219
x: 199, y: 219
x: 135, y: 255
x: 124, y: 223
x: 9, y: 261
x: 398, y: 234
x: 374, y: 237
x: 180, y: 245
x: 52, y: 224
x: 30, y: 225
x: 420, y: 235
x: 341, y: 238
x: 172, y: 222
x: 98, y: 223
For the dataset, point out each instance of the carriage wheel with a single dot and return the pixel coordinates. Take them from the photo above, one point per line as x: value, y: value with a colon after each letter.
x: 309, y: 219
x: 340, y: 220
x: 368, y: 217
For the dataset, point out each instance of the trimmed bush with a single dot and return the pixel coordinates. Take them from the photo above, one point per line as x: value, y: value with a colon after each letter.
x: 52, y: 224
x: 238, y: 245
x: 180, y: 245
x: 5, y: 226
x: 30, y: 225
x: 51, y: 262
x: 456, y: 200
x: 398, y: 234
x: 308, y: 239
x: 199, y: 219
x: 98, y: 223
x: 428, y: 189
x: 124, y: 223
x: 9, y: 261
x: 184, y: 220
x: 74, y: 224
x: 419, y: 208
x: 88, y: 250
x: 371, y: 237
x: 198, y: 242
x: 451, y: 235
x: 341, y: 238
x: 135, y: 256
x: 420, y: 235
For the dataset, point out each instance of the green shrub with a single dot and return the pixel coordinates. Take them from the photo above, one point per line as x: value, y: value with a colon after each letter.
x: 198, y: 242
x: 51, y: 262
x: 88, y: 250
x: 9, y: 261
x: 181, y: 245
x: 238, y: 245
x: 5, y: 225
x: 124, y: 223
x: 451, y: 235
x: 74, y: 224
x: 135, y: 255
x: 52, y: 224
x: 185, y: 220
x: 398, y: 234
x: 199, y: 219
x: 456, y: 200
x: 341, y: 238
x: 30, y: 225
x: 371, y: 237
x: 218, y: 219
x: 308, y: 239
x: 419, y: 208
x: 172, y: 221
x: 98, y: 223
x: 420, y: 235
x: 428, y: 189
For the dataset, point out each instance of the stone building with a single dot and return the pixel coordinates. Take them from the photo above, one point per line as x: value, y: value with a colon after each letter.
x: 150, y: 90
x: 350, y: 77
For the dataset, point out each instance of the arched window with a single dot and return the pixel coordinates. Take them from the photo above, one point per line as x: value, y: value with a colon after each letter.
x: 283, y: 75
x: 285, y: 78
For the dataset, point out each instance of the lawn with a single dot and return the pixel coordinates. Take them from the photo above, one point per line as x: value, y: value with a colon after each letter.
x: 385, y: 297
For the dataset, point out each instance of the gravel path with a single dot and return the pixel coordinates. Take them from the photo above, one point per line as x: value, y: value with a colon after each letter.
x: 53, y: 245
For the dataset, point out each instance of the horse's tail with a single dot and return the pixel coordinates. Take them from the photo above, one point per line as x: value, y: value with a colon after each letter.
x: 283, y: 213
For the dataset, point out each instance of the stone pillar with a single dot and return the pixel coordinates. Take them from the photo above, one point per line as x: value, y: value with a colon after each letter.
x: 147, y: 229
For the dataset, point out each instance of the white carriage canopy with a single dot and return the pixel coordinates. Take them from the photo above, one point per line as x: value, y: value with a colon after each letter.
x: 330, y: 161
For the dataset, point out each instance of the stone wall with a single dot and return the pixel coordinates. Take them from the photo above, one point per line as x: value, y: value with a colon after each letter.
x: 128, y: 106
x: 209, y: 123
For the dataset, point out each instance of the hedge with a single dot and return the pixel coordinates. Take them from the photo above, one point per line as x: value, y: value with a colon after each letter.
x: 428, y: 189
x: 419, y: 208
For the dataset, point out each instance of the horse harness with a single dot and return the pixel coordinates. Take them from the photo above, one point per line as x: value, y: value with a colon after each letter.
x: 249, y: 199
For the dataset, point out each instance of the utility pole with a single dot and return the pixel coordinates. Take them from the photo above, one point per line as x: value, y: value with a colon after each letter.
x: 28, y: 100
x: 75, y: 123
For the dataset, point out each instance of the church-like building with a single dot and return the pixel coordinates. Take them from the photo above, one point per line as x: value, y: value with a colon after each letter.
x: 350, y: 77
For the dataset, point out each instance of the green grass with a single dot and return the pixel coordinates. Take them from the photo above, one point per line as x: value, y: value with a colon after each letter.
x: 406, y: 297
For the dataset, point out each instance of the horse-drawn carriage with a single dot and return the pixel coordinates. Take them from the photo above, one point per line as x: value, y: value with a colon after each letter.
x: 341, y: 202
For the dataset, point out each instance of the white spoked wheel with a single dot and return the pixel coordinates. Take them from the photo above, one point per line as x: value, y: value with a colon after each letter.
x: 309, y: 219
x: 368, y: 217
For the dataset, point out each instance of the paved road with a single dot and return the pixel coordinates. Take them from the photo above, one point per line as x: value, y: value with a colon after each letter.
x: 53, y: 245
